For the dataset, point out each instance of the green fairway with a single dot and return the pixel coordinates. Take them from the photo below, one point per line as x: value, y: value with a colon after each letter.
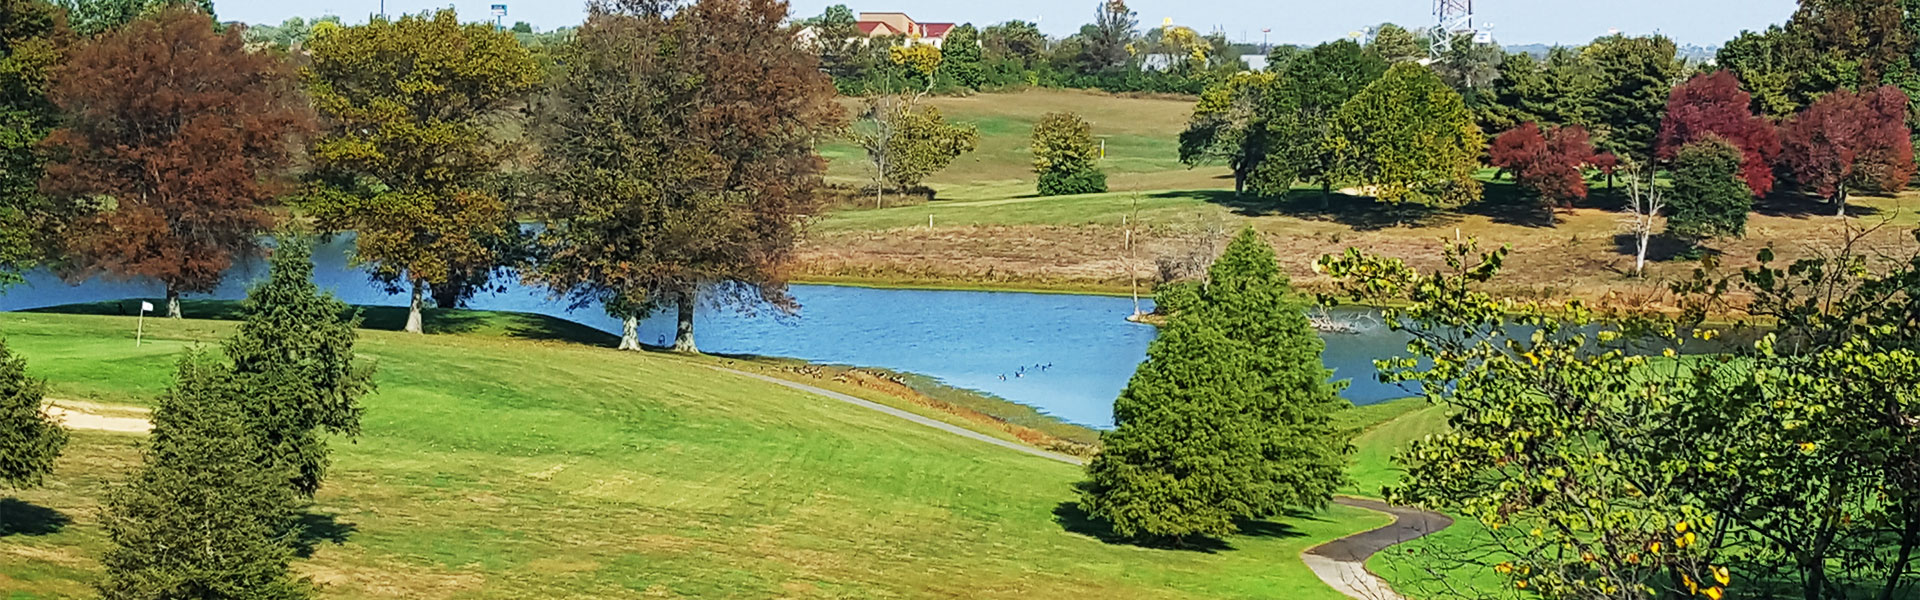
x: 497, y: 464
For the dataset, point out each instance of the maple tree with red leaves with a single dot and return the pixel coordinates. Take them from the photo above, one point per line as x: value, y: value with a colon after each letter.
x: 175, y: 140
x: 1551, y: 164
x: 1847, y: 141
x: 1713, y: 105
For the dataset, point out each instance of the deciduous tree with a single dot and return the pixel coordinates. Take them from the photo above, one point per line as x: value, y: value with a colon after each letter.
x: 30, y: 439
x: 908, y: 141
x: 33, y: 37
x: 410, y: 147
x: 1551, y: 165
x: 1066, y: 157
x: 294, y: 353
x: 1395, y: 44
x: 203, y: 517
x: 1714, y: 105
x: 175, y: 135
x: 960, y: 52
x: 1408, y: 137
x: 1299, y: 114
x: 1710, y: 199
x: 91, y: 17
x: 1227, y: 127
x: 1847, y: 141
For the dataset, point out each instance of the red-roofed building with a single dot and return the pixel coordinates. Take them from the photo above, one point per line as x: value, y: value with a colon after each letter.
x: 876, y: 24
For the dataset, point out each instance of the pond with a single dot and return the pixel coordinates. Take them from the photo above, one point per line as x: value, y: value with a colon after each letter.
x: 1068, y: 355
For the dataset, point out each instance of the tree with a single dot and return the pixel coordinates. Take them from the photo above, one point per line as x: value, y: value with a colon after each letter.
x: 1710, y: 199
x: 203, y: 517
x: 1066, y: 157
x: 1230, y: 416
x: 1550, y: 165
x: 174, y: 136
x: 1227, y: 126
x: 1848, y: 141
x: 1017, y: 40
x: 32, y: 41
x: 1713, y: 105
x: 30, y: 439
x: 1468, y: 65
x: 91, y: 17
x: 1645, y: 202
x: 907, y: 141
x: 1865, y: 37
x: 1109, y: 38
x: 962, y: 56
x: 1395, y: 44
x: 292, y: 32
x: 716, y: 173
x: 294, y: 352
x: 522, y: 27
x: 408, y: 152
x: 1780, y: 69
x: 1299, y: 114
x: 1633, y: 77
x: 1409, y: 137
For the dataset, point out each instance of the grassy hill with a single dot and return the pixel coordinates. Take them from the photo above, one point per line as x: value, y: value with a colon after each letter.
x: 506, y: 461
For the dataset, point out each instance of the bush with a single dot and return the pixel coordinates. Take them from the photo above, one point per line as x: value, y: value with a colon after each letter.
x: 1078, y: 182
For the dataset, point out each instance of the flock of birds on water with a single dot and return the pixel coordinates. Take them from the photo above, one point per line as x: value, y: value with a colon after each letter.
x: 1022, y: 371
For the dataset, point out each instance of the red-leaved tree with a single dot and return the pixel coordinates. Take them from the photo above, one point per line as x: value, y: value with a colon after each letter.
x: 174, y: 140
x: 1714, y: 104
x: 1550, y: 164
x: 1848, y: 141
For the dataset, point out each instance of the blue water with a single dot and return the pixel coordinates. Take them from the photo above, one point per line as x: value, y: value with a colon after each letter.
x: 965, y: 339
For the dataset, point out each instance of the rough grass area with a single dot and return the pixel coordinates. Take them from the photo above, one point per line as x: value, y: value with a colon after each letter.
x: 509, y: 462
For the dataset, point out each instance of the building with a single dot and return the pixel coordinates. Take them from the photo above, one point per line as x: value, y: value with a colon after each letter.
x: 879, y: 24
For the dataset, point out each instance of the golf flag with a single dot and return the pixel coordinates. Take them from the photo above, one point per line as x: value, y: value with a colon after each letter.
x: 146, y: 306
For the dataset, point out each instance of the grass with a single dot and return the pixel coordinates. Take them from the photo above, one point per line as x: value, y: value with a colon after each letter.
x: 508, y: 461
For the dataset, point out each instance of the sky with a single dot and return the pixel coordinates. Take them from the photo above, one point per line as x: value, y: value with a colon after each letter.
x: 1701, y: 22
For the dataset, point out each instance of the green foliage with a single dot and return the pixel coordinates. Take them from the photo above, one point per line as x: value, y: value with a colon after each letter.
x: 1634, y: 76
x: 1394, y: 44
x: 1709, y: 198
x: 204, y: 517
x: 1230, y: 418
x: 294, y: 351
x: 410, y: 152
x: 290, y: 32
x: 907, y: 141
x: 30, y: 439
x: 89, y: 17
x: 30, y: 36
x: 1226, y: 126
x: 1783, y: 467
x: 1066, y: 157
x: 1299, y: 113
x: 1408, y: 137
x: 962, y: 55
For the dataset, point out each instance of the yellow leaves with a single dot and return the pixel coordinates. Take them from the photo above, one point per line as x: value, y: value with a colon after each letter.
x: 1532, y: 358
x: 1680, y: 527
x: 1692, y: 588
x: 1503, y: 568
x: 1809, y: 447
x: 1522, y: 584
x: 1669, y: 353
x: 1633, y: 559
x: 1655, y: 547
x: 1683, y: 541
x: 921, y: 58
x: 1712, y: 593
x: 1720, y: 574
x: 1587, y: 557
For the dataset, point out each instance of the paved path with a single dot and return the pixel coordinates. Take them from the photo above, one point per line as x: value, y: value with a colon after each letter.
x: 943, y: 426
x: 1342, y: 563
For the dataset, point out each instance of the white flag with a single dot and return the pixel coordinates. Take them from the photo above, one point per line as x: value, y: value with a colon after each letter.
x: 146, y: 306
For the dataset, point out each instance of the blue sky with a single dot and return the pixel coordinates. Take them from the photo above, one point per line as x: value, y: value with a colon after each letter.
x: 1703, y: 22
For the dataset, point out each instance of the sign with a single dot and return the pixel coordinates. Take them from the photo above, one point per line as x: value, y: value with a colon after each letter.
x: 499, y: 10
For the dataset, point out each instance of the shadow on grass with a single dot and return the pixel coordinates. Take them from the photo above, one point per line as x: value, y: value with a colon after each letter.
x: 1359, y: 212
x: 18, y: 517
x: 1075, y: 520
x: 1798, y: 205
x: 310, y: 529
x: 519, y: 325
x: 1660, y: 248
x: 1506, y: 203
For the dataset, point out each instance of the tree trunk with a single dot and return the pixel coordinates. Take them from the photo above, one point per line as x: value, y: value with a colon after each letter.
x: 630, y: 333
x: 1840, y: 200
x: 1326, y: 194
x: 413, y: 308
x: 1239, y: 182
x: 1908, y: 537
x: 1640, y: 252
x: 173, y: 302
x: 683, y: 332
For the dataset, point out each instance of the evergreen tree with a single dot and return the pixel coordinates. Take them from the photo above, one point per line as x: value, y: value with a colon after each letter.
x: 29, y: 438
x: 1066, y: 157
x: 961, y: 56
x: 294, y: 354
x: 31, y: 39
x: 205, y: 516
x: 1634, y: 76
x: 1709, y: 197
x: 1395, y: 44
x: 1229, y: 418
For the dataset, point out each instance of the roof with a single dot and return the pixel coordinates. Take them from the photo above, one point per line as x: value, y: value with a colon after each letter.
x: 872, y: 28
x: 935, y: 30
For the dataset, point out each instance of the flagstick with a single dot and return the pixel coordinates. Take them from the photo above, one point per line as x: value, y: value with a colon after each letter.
x: 140, y: 326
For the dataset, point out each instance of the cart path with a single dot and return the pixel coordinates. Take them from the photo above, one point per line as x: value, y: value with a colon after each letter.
x: 1342, y: 563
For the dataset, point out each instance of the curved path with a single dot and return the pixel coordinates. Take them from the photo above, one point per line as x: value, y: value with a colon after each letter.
x: 936, y: 424
x: 1342, y: 563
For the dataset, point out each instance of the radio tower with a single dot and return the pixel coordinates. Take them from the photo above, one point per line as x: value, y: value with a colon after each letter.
x: 1455, y: 17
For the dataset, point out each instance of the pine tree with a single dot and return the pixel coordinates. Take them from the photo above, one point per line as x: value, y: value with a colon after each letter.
x: 1229, y: 418
x: 1709, y: 197
x: 29, y: 438
x: 204, y: 518
x: 294, y: 353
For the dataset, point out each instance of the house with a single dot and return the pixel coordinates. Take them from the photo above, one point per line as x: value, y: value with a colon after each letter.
x: 878, y: 24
